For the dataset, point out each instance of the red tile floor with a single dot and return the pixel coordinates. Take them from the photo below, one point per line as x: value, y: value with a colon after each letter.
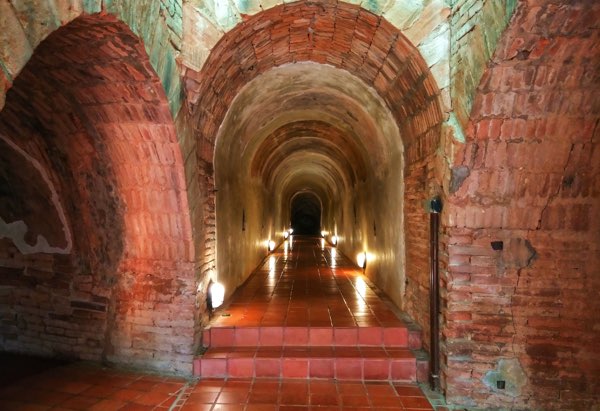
x: 83, y: 386
x: 306, y: 282
x: 307, y: 310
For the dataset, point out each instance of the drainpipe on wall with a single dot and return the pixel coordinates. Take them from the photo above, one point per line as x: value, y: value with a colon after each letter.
x: 435, y: 207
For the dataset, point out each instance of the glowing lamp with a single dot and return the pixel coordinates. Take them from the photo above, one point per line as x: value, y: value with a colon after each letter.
x: 286, y: 234
x: 271, y: 245
x: 291, y: 231
x: 216, y: 293
x: 361, y: 259
x: 334, y: 240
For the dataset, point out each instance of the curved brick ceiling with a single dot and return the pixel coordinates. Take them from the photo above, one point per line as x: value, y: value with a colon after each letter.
x: 308, y: 124
x: 337, y: 34
x: 91, y: 109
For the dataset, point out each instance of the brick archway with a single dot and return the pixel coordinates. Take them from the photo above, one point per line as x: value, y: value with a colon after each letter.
x: 348, y: 38
x: 91, y: 110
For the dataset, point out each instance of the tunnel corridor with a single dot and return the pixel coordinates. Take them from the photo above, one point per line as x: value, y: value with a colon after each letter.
x: 305, y: 215
x: 307, y: 311
x: 152, y: 152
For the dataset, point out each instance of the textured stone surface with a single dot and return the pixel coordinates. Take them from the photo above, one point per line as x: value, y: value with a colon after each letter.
x: 94, y: 121
x: 476, y: 27
x: 516, y: 160
x: 368, y: 47
x: 532, y: 151
x: 159, y: 24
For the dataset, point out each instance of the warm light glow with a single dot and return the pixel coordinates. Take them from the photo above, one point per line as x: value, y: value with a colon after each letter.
x: 361, y: 287
x: 217, y: 294
x: 361, y: 291
x: 286, y: 246
x: 272, y: 265
x: 322, y: 243
x: 333, y: 257
x: 286, y: 234
x: 291, y: 242
x: 361, y: 259
x: 291, y: 231
x: 334, y: 240
x: 271, y: 245
x: 323, y: 233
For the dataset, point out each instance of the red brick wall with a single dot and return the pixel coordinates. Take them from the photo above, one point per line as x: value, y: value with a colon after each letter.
x: 527, y: 314
x: 347, y: 37
x: 89, y: 109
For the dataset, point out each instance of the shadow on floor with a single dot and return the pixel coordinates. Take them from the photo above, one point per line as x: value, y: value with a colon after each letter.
x: 18, y: 366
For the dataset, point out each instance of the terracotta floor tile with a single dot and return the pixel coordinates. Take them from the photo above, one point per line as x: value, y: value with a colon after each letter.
x: 416, y: 403
x: 196, y: 407
x: 100, y: 391
x: 351, y: 388
x: 295, y: 299
x: 264, y: 397
x: 126, y: 394
x: 228, y: 407
x: 294, y: 398
x: 79, y: 402
x: 408, y: 390
x: 261, y: 407
x: 354, y: 400
x: 232, y: 398
x: 324, y: 399
x: 107, y: 405
x: 385, y: 401
x: 153, y: 397
x: 71, y: 387
x: 45, y: 397
x: 203, y: 397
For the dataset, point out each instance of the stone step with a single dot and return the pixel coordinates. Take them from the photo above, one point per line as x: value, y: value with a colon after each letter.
x: 311, y: 336
x: 343, y: 363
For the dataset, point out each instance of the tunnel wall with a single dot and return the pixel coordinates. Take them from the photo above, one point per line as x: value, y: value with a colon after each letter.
x: 108, y: 273
x: 208, y: 91
x: 244, y: 226
x: 521, y: 224
x: 523, y: 314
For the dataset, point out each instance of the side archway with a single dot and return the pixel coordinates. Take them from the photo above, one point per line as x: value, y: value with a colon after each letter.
x: 89, y: 111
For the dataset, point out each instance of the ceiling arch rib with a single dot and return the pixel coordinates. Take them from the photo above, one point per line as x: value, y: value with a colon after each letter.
x: 314, y: 137
x: 324, y: 101
x: 308, y: 170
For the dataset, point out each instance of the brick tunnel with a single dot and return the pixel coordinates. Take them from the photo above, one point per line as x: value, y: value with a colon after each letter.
x: 148, y: 149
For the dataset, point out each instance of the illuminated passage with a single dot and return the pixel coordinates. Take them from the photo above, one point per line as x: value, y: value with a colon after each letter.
x: 307, y: 282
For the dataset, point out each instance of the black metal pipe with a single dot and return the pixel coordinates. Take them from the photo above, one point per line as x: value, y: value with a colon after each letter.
x: 434, y: 299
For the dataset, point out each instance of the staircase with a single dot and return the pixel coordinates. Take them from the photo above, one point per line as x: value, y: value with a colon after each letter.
x: 350, y: 353
x: 250, y: 344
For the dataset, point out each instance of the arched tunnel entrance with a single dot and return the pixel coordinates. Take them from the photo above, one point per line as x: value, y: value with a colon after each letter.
x: 306, y: 214
x: 358, y: 133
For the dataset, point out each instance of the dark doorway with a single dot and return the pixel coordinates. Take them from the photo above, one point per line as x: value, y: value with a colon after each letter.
x: 306, y: 214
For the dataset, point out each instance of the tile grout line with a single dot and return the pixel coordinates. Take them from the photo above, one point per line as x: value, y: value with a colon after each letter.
x: 186, y: 389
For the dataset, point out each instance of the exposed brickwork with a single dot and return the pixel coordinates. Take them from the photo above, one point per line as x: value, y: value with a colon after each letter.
x: 158, y: 24
x: 337, y: 34
x: 532, y: 161
x: 476, y: 29
x: 90, y: 109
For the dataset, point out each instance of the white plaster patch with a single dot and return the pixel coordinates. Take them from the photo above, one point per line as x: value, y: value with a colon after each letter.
x: 16, y: 230
x: 435, y: 14
x: 403, y: 14
x: 222, y: 12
